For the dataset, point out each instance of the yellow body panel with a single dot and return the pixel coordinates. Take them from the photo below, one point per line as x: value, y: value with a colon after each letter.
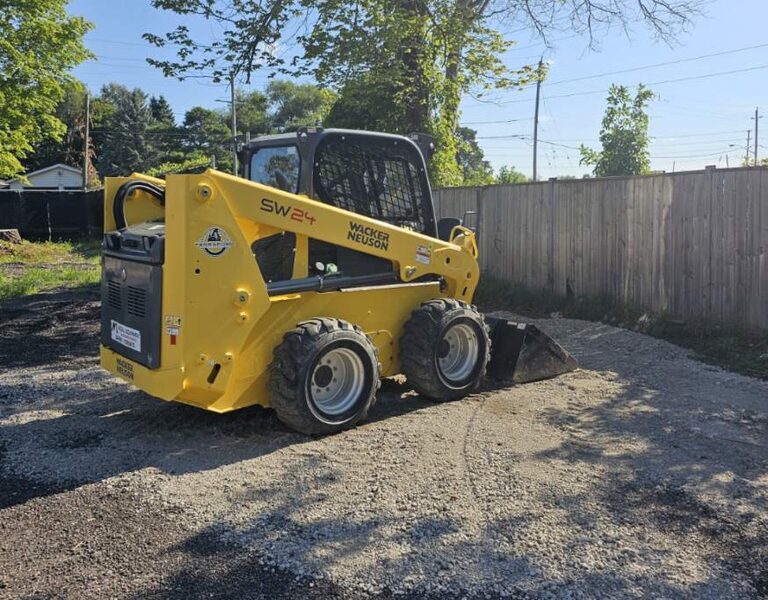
x: 218, y: 305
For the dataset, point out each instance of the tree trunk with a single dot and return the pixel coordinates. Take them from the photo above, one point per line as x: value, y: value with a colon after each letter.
x: 416, y: 95
x: 445, y: 163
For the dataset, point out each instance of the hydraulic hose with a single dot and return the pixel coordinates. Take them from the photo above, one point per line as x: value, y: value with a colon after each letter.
x: 118, y: 206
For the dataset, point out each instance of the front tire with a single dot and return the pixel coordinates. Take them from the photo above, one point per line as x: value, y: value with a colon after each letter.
x: 324, y: 376
x: 445, y: 349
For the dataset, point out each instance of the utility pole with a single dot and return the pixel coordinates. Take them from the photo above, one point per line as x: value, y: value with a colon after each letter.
x: 746, y: 158
x: 757, y: 120
x: 234, y: 122
x: 536, y: 120
x: 86, y: 140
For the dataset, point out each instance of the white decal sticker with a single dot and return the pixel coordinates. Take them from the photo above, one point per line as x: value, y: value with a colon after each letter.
x: 423, y: 254
x: 127, y: 336
x: 215, y: 242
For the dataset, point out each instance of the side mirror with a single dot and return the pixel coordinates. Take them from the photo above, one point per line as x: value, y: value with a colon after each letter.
x: 445, y: 226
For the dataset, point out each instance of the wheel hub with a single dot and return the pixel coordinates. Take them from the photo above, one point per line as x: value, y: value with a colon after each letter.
x: 458, y: 352
x: 337, y: 381
x: 323, y: 376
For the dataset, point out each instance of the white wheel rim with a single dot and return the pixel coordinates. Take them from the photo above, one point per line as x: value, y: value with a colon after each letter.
x: 337, y: 381
x: 458, y: 352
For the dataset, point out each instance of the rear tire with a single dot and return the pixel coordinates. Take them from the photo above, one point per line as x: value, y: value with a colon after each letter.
x: 445, y: 349
x: 324, y: 376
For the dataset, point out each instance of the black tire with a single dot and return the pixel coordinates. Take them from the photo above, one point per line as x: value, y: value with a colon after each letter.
x: 295, y: 364
x: 423, y: 343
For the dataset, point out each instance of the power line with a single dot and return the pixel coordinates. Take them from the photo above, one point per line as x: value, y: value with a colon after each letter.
x: 653, y: 138
x: 697, y: 143
x: 654, y: 83
x: 503, y: 137
x: 496, y: 122
x: 646, y: 67
x: 726, y: 151
x: 663, y: 82
x: 118, y: 42
x: 661, y: 64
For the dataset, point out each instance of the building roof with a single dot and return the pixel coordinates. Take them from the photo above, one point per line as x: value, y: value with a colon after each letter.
x: 59, y: 166
x: 51, y: 168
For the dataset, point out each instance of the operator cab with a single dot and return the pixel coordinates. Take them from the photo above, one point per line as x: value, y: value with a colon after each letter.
x: 378, y: 175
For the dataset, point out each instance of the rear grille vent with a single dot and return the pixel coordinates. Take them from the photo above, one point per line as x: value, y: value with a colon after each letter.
x: 137, y: 302
x: 113, y: 295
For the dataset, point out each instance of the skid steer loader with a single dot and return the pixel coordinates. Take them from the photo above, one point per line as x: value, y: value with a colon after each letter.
x: 301, y: 284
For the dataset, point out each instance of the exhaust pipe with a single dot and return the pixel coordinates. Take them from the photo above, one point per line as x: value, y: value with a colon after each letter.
x: 521, y: 353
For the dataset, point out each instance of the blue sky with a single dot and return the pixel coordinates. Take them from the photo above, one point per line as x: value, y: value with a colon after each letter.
x: 700, y: 121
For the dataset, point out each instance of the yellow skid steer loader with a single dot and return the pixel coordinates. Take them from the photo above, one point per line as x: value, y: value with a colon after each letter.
x: 302, y: 284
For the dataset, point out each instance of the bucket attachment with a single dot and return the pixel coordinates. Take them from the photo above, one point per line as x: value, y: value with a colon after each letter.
x: 521, y: 353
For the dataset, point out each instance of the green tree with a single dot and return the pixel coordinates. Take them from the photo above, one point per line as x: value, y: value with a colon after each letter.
x: 206, y: 133
x: 162, y: 113
x: 367, y: 102
x: 293, y: 105
x: 510, y: 175
x: 414, y: 60
x: 251, y: 113
x: 475, y: 170
x: 420, y: 56
x: 623, y: 135
x: 39, y: 44
x: 123, y: 134
x: 69, y: 149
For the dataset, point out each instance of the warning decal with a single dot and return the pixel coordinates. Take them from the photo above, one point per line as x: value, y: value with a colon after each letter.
x: 173, y: 333
x: 424, y: 254
x: 127, y: 336
x: 215, y: 242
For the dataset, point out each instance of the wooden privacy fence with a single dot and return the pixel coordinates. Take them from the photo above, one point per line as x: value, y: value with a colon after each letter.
x: 691, y: 244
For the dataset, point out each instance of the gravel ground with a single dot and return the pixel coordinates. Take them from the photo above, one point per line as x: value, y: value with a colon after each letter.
x: 642, y: 474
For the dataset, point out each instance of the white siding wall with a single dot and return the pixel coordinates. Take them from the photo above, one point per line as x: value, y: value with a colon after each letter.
x: 58, y: 178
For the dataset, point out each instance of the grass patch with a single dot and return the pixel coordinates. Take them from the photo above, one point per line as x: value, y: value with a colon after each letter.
x: 36, y: 253
x: 32, y: 267
x: 729, y: 346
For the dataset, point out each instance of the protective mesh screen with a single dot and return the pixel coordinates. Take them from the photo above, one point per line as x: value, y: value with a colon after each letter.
x: 377, y: 178
x: 274, y: 254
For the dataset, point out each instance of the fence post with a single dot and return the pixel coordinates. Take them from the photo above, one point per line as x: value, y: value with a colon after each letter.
x: 711, y: 170
x: 48, y: 213
x: 479, y: 193
x: 87, y: 212
x: 552, y: 230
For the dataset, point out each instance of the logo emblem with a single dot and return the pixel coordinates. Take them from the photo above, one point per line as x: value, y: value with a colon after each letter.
x: 215, y: 242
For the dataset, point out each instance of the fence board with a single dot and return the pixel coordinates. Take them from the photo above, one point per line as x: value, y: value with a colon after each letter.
x: 692, y: 244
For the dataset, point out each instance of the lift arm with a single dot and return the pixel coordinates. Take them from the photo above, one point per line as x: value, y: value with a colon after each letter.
x: 415, y: 254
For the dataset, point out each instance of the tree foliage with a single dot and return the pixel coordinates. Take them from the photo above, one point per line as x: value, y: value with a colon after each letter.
x: 623, y: 135
x: 134, y: 132
x: 293, y: 105
x: 475, y: 170
x: 261, y: 22
x: 123, y: 136
x: 206, y: 133
x: 69, y: 148
x: 39, y: 44
x: 162, y: 113
x: 510, y: 175
x: 405, y: 65
x: 398, y: 66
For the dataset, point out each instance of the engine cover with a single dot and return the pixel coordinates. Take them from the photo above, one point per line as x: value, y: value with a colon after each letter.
x: 131, y: 292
